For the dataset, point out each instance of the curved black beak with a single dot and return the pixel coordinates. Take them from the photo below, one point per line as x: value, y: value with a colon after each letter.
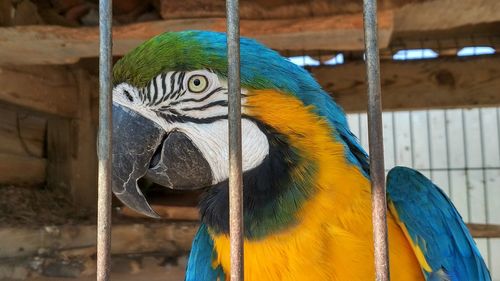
x: 141, y: 148
x: 135, y: 141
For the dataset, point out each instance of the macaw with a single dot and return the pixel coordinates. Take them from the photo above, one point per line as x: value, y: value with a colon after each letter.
x: 307, y: 203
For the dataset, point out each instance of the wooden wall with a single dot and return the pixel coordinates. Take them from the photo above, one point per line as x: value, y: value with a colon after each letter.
x: 23, y: 157
x: 48, y: 133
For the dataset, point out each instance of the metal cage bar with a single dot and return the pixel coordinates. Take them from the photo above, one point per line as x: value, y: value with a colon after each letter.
x: 235, y: 157
x: 104, y: 143
x: 376, y: 145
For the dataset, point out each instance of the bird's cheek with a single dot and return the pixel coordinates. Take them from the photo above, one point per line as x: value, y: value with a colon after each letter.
x: 211, y: 140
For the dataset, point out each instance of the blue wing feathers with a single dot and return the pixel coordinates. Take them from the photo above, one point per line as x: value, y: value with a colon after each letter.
x: 435, y: 226
x: 199, y: 267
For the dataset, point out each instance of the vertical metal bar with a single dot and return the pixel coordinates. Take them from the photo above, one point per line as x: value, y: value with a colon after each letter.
x: 379, y: 213
x: 104, y: 143
x: 235, y: 158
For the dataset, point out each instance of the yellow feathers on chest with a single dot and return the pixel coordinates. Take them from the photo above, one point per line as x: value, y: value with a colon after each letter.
x: 333, y: 239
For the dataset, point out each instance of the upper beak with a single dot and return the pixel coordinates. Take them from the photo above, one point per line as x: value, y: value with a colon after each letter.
x: 141, y: 148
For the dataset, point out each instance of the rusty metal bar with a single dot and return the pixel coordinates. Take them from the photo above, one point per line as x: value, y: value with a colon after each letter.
x: 376, y: 146
x: 235, y: 158
x: 104, y: 143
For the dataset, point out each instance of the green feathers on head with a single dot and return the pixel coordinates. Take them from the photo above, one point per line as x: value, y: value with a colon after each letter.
x: 170, y: 51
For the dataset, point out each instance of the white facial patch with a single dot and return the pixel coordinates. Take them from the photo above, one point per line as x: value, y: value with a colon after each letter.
x: 168, y: 101
x: 212, y: 140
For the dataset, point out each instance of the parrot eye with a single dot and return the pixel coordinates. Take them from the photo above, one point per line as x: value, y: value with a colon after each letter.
x: 197, y: 83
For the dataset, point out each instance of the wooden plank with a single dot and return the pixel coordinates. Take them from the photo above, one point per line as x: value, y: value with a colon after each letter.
x: 59, y: 144
x: 167, y: 238
x: 61, y: 45
x: 438, y: 83
x: 44, y: 89
x: 166, y: 212
x: 17, y: 169
x: 21, y: 133
x: 484, y: 230
x: 445, y: 14
x: 269, y: 9
x: 447, y: 24
x: 5, y: 12
x: 84, y: 160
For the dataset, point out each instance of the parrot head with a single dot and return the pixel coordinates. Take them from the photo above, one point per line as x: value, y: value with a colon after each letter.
x: 170, y: 108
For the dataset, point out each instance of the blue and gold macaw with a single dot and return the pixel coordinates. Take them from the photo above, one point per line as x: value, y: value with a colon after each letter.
x: 307, y: 204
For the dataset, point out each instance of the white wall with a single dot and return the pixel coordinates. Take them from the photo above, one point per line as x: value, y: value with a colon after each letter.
x: 459, y: 149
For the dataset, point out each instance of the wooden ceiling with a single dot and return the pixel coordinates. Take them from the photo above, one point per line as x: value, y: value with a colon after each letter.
x: 270, y: 9
x: 294, y: 27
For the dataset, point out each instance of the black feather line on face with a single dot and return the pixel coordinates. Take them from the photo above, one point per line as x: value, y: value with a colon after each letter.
x: 176, y: 117
x: 222, y: 103
x: 211, y: 93
x: 263, y: 185
x: 155, y: 96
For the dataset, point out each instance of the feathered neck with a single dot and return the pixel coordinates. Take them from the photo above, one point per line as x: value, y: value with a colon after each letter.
x: 273, y: 191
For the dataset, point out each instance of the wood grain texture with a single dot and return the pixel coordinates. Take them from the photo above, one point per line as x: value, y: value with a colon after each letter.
x: 167, y: 237
x: 17, y: 169
x: 438, y: 83
x: 50, y: 90
x: 22, y: 134
x: 270, y: 9
x: 445, y: 14
x: 61, y: 45
x: 84, y: 138
x: 167, y: 212
x: 484, y: 230
x: 59, y: 147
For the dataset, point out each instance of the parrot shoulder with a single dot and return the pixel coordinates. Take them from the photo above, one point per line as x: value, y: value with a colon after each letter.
x: 440, y: 238
x: 201, y: 259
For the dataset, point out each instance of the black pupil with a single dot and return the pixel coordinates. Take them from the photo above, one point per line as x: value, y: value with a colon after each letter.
x: 197, y: 82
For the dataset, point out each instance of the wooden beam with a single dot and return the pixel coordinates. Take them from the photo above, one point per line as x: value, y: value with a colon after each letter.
x: 84, y: 152
x: 166, y: 212
x: 445, y: 14
x: 18, y: 169
x: 446, y: 24
x: 168, y: 238
x: 408, y: 85
x: 268, y: 9
x: 22, y: 134
x: 61, y: 45
x: 50, y: 90
x: 59, y: 145
x: 304, y: 27
x: 484, y: 230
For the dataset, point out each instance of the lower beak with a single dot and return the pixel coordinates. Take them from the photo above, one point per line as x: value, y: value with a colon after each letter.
x: 141, y: 148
